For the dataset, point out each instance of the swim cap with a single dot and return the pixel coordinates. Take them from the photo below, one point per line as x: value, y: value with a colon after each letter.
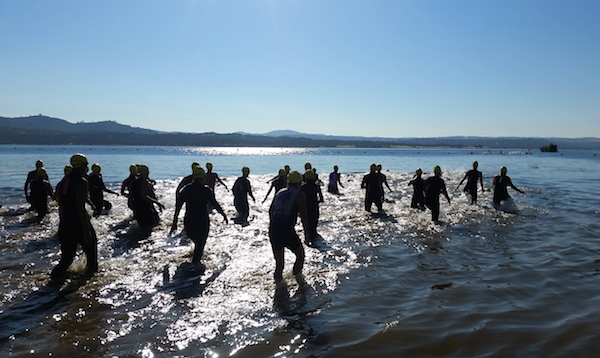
x: 437, y: 170
x: 209, y: 166
x: 294, y: 177
x: 198, y: 172
x: 143, y: 169
x: 41, y: 172
x: 309, y: 175
x: 335, y: 167
x: 373, y: 167
x: 503, y: 170
x: 195, y: 164
x: 39, y: 164
x: 307, y: 166
x: 419, y: 171
x: 133, y: 169
x: 245, y: 170
x: 96, y: 168
x: 475, y: 164
x: 68, y: 169
x: 78, y: 160
x: 287, y: 168
x: 281, y: 172
x: 378, y: 166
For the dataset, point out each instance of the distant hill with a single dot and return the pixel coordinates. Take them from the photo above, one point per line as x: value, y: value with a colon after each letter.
x: 42, y: 130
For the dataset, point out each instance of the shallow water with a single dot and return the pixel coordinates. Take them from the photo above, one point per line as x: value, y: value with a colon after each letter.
x: 482, y: 283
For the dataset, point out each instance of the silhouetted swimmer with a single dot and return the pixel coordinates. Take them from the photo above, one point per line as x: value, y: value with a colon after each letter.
x: 186, y: 179
x: 434, y: 186
x: 382, y: 182
x: 501, y: 183
x: 126, y: 185
x: 307, y: 167
x: 334, y: 181
x: 314, y: 196
x: 211, y: 178
x: 40, y: 191
x: 97, y: 189
x: 32, y: 175
x: 287, y: 171
x: 285, y: 208
x: 278, y: 184
x: 241, y: 191
x: 472, y: 176
x: 196, y: 196
x: 75, y: 226
x: 418, y: 199
x: 144, y: 199
x: 371, y: 182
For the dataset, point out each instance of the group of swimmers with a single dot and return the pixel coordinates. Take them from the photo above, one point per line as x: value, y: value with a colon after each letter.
x: 295, y: 195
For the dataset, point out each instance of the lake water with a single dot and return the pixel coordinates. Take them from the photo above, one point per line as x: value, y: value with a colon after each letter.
x: 483, y: 283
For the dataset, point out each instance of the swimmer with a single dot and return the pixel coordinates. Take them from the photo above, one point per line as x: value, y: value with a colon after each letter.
x: 241, y: 190
x: 471, y: 177
x: 196, y: 195
x: 418, y: 199
x: 314, y: 196
x: 32, y: 175
x: 434, y: 186
x: 285, y: 208
x: 334, y: 181
x: 382, y: 181
x: 144, y: 199
x: 278, y: 184
x: 211, y: 178
x: 126, y: 185
x: 75, y: 226
x: 186, y: 179
x: 371, y: 182
x: 501, y: 183
x: 40, y: 191
x: 97, y: 189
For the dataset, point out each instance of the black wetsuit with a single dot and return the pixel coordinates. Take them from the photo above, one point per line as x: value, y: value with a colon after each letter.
x: 501, y: 184
x: 241, y: 189
x: 127, y: 185
x: 418, y: 199
x: 38, y: 197
x: 97, y: 189
x: 281, y: 227
x: 196, y: 221
x: 372, y: 182
x: 143, y: 209
x: 75, y: 226
x: 434, y: 186
x: 472, y: 176
x: 312, y: 190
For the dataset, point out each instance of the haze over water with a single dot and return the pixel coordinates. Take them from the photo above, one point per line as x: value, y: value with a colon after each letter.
x: 483, y: 283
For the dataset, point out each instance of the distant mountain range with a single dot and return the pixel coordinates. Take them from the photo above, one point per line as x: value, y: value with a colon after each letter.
x: 40, y: 130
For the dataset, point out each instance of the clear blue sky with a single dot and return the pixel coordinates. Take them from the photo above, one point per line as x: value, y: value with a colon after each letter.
x: 341, y: 67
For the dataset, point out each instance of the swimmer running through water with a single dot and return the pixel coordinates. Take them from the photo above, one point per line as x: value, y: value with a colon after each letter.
x: 501, y: 182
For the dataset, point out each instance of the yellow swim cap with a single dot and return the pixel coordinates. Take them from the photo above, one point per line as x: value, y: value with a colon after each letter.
x: 39, y: 164
x: 281, y: 172
x: 309, y: 175
x: 475, y: 164
x: 198, y: 172
x: 96, y: 168
x: 195, y: 164
x: 143, y: 169
x: 307, y: 166
x: 419, y: 171
x: 294, y: 177
x: 78, y: 160
x: 245, y: 170
x: 209, y: 166
x: 373, y: 167
x: 437, y: 170
x: 503, y: 170
x: 41, y: 172
x: 68, y: 169
x: 133, y: 169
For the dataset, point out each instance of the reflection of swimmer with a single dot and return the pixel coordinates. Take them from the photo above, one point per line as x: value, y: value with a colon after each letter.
x: 418, y: 199
x: 314, y: 196
x: 40, y: 191
x: 434, y: 186
x: 196, y: 196
x: 288, y: 203
x: 334, y: 181
x: 97, y: 189
x: 241, y: 191
x: 144, y: 199
x: 472, y: 176
x: 278, y: 184
x: 501, y: 183
x: 32, y: 175
x: 371, y: 182
x: 75, y: 226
